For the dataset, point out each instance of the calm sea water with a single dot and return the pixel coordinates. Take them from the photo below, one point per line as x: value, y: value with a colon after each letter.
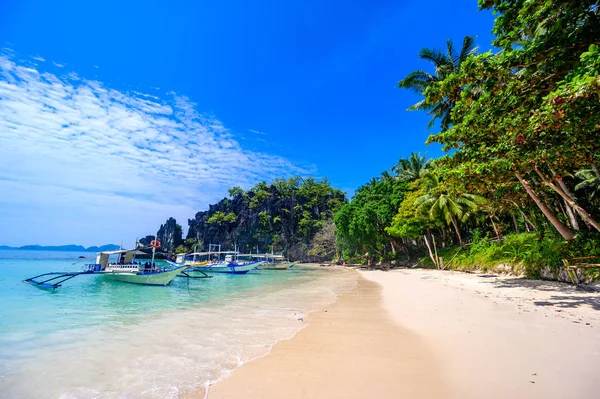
x: 95, y: 338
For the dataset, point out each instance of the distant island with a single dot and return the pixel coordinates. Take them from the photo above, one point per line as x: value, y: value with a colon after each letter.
x: 72, y: 248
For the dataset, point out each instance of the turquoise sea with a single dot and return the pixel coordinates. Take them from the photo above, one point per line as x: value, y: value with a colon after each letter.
x: 96, y: 338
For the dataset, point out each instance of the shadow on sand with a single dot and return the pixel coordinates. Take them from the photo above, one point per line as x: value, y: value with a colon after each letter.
x: 566, y: 295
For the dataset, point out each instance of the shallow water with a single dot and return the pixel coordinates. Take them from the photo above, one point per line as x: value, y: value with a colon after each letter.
x: 95, y: 338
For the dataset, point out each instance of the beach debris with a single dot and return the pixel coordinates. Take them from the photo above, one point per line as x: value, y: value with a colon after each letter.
x: 532, y: 382
x: 534, y: 374
x: 300, y: 318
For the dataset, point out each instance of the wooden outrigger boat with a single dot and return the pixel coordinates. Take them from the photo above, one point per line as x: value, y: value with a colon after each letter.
x: 275, y: 262
x: 126, y: 269
x: 217, y: 261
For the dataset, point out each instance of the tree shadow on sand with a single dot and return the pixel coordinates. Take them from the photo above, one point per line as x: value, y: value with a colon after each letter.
x: 567, y: 295
x: 570, y: 301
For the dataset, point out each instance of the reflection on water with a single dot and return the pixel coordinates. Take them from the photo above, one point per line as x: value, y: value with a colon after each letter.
x: 98, y: 338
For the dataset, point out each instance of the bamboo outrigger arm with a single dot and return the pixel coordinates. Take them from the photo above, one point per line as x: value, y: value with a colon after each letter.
x: 572, y: 264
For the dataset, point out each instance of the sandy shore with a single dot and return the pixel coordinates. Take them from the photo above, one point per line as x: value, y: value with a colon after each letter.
x: 431, y: 334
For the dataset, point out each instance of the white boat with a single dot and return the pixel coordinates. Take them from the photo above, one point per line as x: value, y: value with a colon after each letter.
x: 229, y: 265
x: 217, y: 261
x: 276, y: 262
x: 125, y: 269
x: 128, y: 270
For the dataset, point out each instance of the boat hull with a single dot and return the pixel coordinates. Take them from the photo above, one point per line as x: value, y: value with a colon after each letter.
x: 160, y: 279
x: 283, y: 266
x: 229, y: 268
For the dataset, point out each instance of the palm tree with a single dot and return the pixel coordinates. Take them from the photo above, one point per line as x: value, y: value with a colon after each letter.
x: 590, y: 181
x: 412, y: 168
x: 448, y: 208
x: 445, y: 65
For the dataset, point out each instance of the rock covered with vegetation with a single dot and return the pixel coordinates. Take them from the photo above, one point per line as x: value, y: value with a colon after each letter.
x: 294, y: 216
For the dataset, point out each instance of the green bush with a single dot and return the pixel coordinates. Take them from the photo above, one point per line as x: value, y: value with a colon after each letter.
x: 525, y: 253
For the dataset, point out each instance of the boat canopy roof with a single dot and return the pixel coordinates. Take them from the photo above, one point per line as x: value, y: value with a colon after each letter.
x: 211, y: 253
x: 102, y: 257
x: 267, y: 256
x: 123, y: 251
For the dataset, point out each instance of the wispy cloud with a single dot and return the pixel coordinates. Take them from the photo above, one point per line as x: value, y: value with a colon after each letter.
x: 58, y: 65
x: 256, y: 132
x: 38, y: 58
x: 79, y: 159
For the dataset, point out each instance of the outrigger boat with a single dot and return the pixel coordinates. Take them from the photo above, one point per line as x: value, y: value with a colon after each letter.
x: 126, y: 269
x: 217, y: 262
x: 276, y: 262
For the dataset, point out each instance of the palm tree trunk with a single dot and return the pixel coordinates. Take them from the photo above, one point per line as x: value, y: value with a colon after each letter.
x: 558, y: 225
x: 495, y: 227
x: 596, y: 170
x: 570, y: 201
x: 516, y: 223
x: 429, y: 248
x: 572, y: 217
x: 453, y: 219
x: 392, y: 245
x: 528, y: 221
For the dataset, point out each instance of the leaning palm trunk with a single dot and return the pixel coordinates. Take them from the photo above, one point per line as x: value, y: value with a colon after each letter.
x: 516, y: 223
x: 430, y: 252
x: 596, y: 170
x: 453, y: 219
x: 558, y: 225
x: 570, y: 201
x: 572, y: 218
x: 495, y: 227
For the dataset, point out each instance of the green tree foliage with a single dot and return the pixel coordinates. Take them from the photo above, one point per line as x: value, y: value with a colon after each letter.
x: 528, y: 115
x: 222, y: 218
x: 445, y: 206
x: 520, y: 128
x: 361, y: 224
x: 235, y: 191
x: 410, y: 222
x: 445, y: 64
x: 413, y: 167
x: 282, y: 216
x: 590, y: 182
x: 146, y: 240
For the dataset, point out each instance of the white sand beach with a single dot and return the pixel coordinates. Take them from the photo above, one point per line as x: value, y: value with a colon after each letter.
x: 427, y: 334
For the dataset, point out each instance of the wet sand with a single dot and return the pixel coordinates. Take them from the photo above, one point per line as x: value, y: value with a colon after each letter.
x: 350, y: 349
x: 432, y: 334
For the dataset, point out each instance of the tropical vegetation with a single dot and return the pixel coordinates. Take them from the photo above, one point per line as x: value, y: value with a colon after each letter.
x: 518, y: 184
x: 294, y: 216
x: 520, y: 129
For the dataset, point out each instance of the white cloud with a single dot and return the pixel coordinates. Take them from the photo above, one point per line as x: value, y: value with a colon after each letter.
x: 84, y: 163
x: 256, y: 132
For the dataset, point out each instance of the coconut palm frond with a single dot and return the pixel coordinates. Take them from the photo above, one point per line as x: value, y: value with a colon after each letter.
x: 468, y: 48
x: 422, y: 105
x: 417, y: 81
x: 451, y: 53
x: 434, y: 56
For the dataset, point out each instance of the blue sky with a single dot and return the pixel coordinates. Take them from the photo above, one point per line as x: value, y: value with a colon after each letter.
x: 116, y: 115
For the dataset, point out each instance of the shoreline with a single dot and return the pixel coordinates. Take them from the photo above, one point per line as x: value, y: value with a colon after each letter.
x: 444, y: 334
x: 322, y: 358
